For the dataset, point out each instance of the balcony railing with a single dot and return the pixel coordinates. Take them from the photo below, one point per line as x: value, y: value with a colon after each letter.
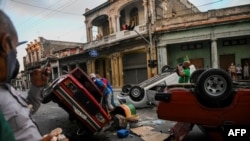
x: 117, y: 36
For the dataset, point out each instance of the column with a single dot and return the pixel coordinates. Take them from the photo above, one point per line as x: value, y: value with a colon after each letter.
x: 87, y: 30
x: 117, y: 18
x: 162, y: 57
x: 214, y: 54
x: 151, y: 11
x: 120, y: 70
x: 145, y: 5
x: 111, y: 24
x: 39, y: 55
x: 114, y: 23
x: 90, y: 66
x: 58, y: 69
x: 115, y: 69
x: 90, y: 34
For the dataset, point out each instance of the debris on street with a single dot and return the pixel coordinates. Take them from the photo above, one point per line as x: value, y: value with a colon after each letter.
x: 147, y: 133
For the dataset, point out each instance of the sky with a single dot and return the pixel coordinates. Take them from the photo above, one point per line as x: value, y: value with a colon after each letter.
x: 63, y: 20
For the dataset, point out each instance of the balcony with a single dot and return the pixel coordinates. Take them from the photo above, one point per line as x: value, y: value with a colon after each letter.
x: 33, y: 65
x: 118, y: 36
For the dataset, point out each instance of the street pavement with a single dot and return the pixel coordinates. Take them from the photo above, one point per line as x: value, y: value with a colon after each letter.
x: 51, y: 116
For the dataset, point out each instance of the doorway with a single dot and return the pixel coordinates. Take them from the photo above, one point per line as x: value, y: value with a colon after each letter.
x: 226, y: 60
x: 102, y: 67
x: 197, y: 62
x: 134, y: 67
x: 245, y: 60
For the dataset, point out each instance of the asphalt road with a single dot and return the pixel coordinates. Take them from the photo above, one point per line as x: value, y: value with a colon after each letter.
x: 51, y: 116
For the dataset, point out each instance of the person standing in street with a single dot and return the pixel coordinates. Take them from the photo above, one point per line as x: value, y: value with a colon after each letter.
x: 238, y: 71
x: 232, y: 71
x: 107, y: 94
x: 23, y: 87
x: 246, y: 71
x: 15, y: 108
x: 106, y: 82
x: 184, y: 72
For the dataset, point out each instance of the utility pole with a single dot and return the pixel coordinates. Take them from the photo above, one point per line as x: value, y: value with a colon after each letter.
x: 151, y: 62
x: 149, y: 25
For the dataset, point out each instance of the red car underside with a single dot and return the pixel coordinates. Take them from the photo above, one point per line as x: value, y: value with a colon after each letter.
x: 181, y: 105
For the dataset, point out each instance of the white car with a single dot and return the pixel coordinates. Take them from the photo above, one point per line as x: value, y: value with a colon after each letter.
x: 142, y: 95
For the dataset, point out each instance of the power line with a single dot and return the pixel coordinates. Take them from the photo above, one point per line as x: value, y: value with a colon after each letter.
x: 45, y: 8
x: 30, y: 19
x: 210, y: 3
x: 197, y: 6
x: 71, y: 31
x: 53, y: 12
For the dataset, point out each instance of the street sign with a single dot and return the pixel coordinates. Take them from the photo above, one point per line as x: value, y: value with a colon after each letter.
x: 93, y: 53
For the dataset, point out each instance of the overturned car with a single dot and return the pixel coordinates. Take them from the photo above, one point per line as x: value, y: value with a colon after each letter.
x: 77, y: 94
x: 142, y: 95
x: 213, y: 102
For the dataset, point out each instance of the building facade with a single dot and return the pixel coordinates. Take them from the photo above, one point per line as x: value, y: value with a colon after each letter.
x: 125, y: 55
x: 164, y: 31
x: 42, y: 51
x: 215, y: 38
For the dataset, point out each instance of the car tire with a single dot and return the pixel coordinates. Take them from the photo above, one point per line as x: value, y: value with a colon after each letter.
x: 136, y: 93
x: 214, y: 88
x: 126, y: 88
x: 195, y: 75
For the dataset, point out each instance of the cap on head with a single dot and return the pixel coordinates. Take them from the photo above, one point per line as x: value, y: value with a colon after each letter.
x: 92, y: 75
x: 186, y: 64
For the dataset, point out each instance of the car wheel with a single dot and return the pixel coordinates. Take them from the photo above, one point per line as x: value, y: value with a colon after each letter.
x: 136, y: 93
x: 195, y: 75
x: 214, y: 88
x: 126, y: 88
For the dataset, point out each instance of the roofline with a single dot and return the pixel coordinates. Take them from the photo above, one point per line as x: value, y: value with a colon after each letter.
x: 91, y: 11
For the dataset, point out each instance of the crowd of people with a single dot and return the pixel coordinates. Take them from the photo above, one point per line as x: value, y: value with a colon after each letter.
x: 236, y: 72
x: 239, y: 73
x: 246, y: 71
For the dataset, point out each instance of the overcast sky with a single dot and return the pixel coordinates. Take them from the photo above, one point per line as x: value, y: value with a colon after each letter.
x: 63, y: 19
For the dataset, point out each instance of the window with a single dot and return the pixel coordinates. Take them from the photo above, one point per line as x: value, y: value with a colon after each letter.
x: 134, y: 17
x: 234, y: 42
x: 122, y: 19
x: 191, y: 46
